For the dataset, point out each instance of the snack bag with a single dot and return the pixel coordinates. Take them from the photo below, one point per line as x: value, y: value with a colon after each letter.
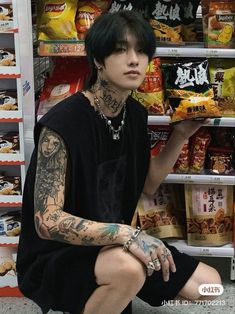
x: 182, y: 163
x: 7, y: 57
x: 188, y: 91
x: 165, y: 18
x: 209, y: 211
x: 87, y: 12
x: 199, y: 143
x: 10, y: 185
x: 9, y: 142
x: 118, y: 5
x: 56, y: 20
x: 159, y: 136
x: 150, y: 92
x: 220, y: 160
x: 8, y: 100
x: 188, y: 17
x: 159, y: 215
x: 218, y: 23
x: 67, y: 78
x: 222, y: 77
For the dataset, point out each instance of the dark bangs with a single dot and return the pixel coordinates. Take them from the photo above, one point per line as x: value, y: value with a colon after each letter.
x: 110, y: 29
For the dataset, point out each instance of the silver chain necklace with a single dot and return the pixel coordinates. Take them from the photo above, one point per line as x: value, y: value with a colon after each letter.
x: 115, y: 132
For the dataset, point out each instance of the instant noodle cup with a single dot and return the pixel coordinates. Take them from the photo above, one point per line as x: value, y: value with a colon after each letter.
x: 56, y: 20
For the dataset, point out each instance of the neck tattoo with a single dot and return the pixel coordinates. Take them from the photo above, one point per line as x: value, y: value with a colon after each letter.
x: 115, y: 132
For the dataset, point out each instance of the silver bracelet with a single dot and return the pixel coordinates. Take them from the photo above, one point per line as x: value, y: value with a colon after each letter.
x: 128, y: 243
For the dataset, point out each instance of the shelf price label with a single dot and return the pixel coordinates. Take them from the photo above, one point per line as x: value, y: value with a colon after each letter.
x: 212, y: 53
x: 173, y: 52
x: 216, y: 180
x: 205, y: 251
x: 187, y: 178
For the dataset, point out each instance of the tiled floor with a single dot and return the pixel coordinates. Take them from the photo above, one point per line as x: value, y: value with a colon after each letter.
x: 25, y: 306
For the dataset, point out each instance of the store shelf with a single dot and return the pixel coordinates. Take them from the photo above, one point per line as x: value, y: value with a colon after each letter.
x: 165, y: 120
x: 200, y: 179
x: 198, y: 52
x: 218, y: 251
x: 9, y: 72
x: 12, y: 159
x: 9, y: 241
x: 11, y: 114
x: 10, y: 200
x: 61, y: 49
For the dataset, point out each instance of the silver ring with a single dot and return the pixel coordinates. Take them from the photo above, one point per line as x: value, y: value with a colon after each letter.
x: 156, y: 262
x: 167, y: 252
x: 150, y: 265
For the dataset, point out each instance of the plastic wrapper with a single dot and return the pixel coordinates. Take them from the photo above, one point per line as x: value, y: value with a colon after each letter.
x: 118, y: 5
x: 87, y: 12
x: 159, y: 136
x: 165, y: 18
x: 7, y: 57
x: 56, y: 20
x: 8, y: 100
x: 162, y: 215
x: 150, y: 93
x: 189, y: 92
x: 209, y: 212
x: 218, y: 23
x: 188, y: 17
x: 222, y: 77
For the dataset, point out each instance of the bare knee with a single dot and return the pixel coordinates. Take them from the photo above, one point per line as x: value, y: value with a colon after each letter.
x: 204, y: 274
x: 120, y: 270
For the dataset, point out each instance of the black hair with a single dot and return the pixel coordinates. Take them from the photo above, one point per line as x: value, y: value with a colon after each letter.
x: 111, y: 28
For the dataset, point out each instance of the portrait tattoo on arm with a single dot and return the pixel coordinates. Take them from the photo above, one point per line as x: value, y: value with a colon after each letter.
x: 50, y: 176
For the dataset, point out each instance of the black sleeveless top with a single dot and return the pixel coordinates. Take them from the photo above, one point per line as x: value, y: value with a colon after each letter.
x: 106, y: 176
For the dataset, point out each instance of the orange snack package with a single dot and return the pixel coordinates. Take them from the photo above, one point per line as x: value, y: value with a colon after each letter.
x: 87, y: 12
x: 150, y: 92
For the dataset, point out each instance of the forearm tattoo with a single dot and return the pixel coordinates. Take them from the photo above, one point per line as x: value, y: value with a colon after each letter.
x: 51, y: 221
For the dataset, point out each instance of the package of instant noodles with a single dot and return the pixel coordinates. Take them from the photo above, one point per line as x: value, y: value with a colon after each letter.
x: 189, y: 92
x: 56, y: 20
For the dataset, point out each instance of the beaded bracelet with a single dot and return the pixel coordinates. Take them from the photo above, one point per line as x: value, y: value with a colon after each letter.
x: 128, y: 243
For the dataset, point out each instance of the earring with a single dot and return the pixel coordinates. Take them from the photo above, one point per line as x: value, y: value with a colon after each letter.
x: 99, y: 67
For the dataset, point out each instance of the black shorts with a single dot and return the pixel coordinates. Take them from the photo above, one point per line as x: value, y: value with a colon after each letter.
x: 65, y: 284
x: 155, y: 291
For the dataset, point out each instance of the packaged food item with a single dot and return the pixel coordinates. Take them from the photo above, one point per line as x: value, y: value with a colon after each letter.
x: 182, y: 163
x: 189, y: 92
x: 222, y: 77
x: 6, y: 12
x: 165, y: 18
x: 7, y: 267
x: 10, y: 224
x: 9, y: 142
x: 8, y: 100
x: 118, y: 5
x: 67, y: 78
x: 159, y: 136
x: 87, y: 12
x: 162, y: 214
x: 188, y: 17
x: 220, y: 160
x: 7, y: 57
x: 209, y: 211
x: 218, y: 23
x: 56, y: 20
x: 150, y: 92
x: 10, y: 185
x: 199, y: 143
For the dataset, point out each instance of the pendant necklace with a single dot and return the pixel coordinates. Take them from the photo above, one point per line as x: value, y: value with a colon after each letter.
x: 115, y: 132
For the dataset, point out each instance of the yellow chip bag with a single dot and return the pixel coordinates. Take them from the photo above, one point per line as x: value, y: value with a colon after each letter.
x: 56, y: 20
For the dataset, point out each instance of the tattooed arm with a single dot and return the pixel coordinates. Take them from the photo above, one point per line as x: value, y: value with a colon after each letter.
x: 52, y: 223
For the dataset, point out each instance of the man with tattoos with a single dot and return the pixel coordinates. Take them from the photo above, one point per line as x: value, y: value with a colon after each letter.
x: 77, y: 250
